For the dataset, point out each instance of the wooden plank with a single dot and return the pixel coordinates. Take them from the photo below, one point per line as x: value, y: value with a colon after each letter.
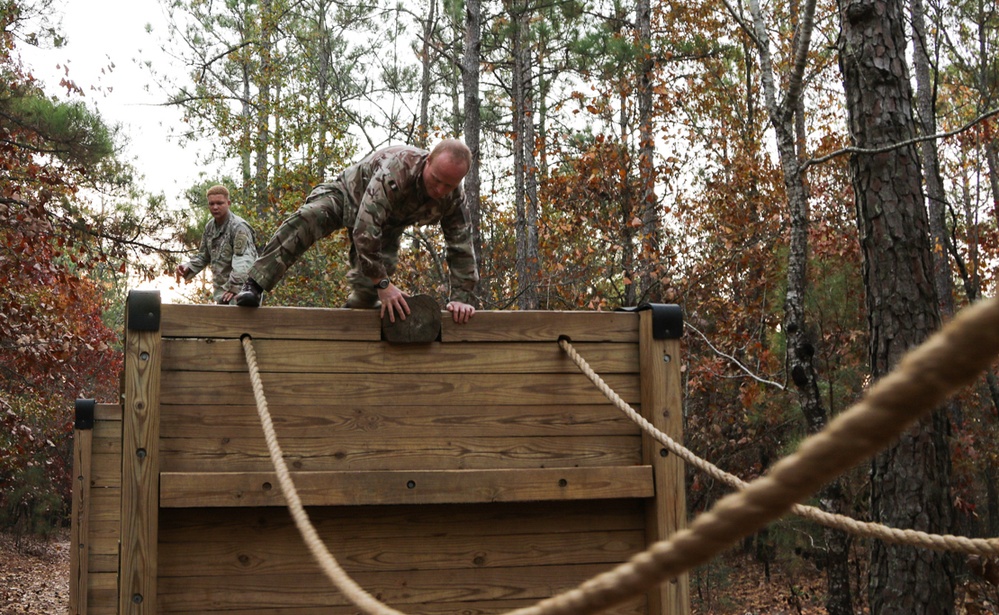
x: 444, y: 552
x: 338, y: 324
x: 470, y: 607
x: 196, y: 526
x: 316, y: 356
x: 399, y: 589
x: 662, y: 407
x: 79, y: 541
x: 353, y: 451
x: 105, y: 504
x: 224, y: 321
x: 543, y: 326
x: 103, y: 594
x: 140, y: 473
x: 107, y: 413
x: 309, y: 422
x: 106, y: 471
x: 194, y: 489
x: 197, y: 388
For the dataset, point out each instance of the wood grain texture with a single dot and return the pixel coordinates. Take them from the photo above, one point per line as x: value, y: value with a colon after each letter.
x: 201, y: 489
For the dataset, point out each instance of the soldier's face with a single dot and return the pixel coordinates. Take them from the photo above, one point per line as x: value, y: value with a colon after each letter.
x: 443, y: 175
x: 218, y: 204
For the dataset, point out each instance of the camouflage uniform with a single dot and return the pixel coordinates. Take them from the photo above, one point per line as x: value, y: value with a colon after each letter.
x: 375, y: 200
x: 230, y: 250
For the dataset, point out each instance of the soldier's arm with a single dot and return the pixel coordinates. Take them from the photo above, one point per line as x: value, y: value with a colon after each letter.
x: 244, y: 253
x: 200, y: 260
x: 460, y: 254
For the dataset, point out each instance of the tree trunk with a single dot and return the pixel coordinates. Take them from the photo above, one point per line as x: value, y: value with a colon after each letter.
x: 935, y: 194
x: 992, y: 157
x: 423, y: 130
x: 910, y: 481
x: 650, y: 284
x: 527, y: 243
x: 262, y: 139
x: 473, y: 120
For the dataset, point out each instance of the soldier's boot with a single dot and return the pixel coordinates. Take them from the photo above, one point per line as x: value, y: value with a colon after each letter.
x: 250, y: 295
x: 360, y: 301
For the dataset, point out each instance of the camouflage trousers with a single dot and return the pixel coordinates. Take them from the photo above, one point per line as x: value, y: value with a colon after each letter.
x: 321, y: 215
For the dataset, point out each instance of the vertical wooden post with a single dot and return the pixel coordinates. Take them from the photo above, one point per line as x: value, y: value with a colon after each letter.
x: 79, y: 535
x: 140, y: 456
x: 662, y: 406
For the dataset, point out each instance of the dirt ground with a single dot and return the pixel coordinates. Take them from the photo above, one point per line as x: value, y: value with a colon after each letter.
x: 34, y: 576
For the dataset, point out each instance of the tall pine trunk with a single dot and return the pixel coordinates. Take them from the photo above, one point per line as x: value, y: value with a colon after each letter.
x: 910, y: 480
x: 473, y: 120
x: 649, y: 262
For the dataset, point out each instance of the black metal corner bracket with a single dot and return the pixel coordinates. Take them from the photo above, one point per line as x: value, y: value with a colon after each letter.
x: 84, y: 415
x: 667, y: 319
x: 143, y: 312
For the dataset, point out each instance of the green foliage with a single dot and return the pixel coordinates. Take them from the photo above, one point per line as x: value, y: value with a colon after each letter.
x: 69, y: 130
x: 35, y: 469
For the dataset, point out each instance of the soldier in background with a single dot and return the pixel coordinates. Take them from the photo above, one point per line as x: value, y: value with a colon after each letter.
x: 227, y: 245
x: 376, y: 200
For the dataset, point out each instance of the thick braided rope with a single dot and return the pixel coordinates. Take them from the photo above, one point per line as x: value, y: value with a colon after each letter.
x: 949, y: 360
x: 938, y: 542
x: 354, y: 592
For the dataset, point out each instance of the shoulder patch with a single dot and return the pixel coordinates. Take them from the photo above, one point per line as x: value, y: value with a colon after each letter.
x: 240, y: 243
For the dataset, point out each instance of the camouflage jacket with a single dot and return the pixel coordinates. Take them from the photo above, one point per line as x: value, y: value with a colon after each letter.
x: 384, y: 194
x: 230, y: 250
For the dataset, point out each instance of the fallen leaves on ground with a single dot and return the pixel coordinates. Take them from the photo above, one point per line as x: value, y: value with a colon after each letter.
x: 34, y: 575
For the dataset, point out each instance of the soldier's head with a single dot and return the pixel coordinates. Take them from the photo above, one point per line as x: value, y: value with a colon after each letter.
x: 218, y: 202
x: 446, y: 167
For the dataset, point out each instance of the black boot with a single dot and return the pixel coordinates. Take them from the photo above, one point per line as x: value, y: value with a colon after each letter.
x: 250, y: 295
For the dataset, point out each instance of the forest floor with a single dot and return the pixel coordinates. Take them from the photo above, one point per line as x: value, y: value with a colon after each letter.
x: 34, y: 575
x: 34, y: 580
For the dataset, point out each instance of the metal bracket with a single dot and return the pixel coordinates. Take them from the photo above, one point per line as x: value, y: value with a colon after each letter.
x: 84, y: 415
x: 667, y: 319
x: 143, y: 312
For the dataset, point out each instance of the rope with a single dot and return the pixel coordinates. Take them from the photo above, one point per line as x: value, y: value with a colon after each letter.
x: 354, y: 592
x: 868, y: 529
x: 949, y: 360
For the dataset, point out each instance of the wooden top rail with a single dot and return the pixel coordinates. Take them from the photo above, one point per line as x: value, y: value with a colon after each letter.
x: 212, y: 489
x: 224, y: 321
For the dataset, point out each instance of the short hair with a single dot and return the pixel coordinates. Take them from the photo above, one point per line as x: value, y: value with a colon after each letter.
x: 218, y: 189
x: 455, y: 149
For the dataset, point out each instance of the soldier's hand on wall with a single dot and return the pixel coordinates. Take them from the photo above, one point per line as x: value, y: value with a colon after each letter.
x: 460, y: 312
x: 394, y: 302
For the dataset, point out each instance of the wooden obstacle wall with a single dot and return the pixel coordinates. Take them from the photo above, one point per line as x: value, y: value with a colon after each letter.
x: 477, y: 473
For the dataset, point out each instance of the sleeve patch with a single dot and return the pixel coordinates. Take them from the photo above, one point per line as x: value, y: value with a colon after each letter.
x: 240, y: 243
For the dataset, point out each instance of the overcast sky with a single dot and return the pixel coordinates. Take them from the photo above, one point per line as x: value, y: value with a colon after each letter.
x: 102, y: 33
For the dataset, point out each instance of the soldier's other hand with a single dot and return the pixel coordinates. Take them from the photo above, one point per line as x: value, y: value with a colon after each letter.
x: 394, y: 302
x: 180, y: 272
x: 460, y: 312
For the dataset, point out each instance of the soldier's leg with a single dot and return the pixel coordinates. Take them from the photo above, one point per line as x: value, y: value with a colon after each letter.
x: 320, y: 216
